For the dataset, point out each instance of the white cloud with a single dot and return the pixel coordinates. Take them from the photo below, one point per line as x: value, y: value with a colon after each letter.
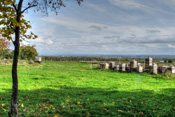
x: 49, y: 42
x: 171, y: 45
x: 131, y: 27
x: 42, y: 40
x: 91, y: 41
x: 95, y: 7
x: 80, y: 26
x: 134, y: 4
x: 39, y: 40
x: 125, y: 3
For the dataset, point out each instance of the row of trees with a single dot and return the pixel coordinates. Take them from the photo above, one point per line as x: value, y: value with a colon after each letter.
x: 78, y: 58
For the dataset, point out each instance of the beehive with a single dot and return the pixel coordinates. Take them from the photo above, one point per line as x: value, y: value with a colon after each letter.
x: 138, y: 64
x: 154, y: 69
x: 128, y: 66
x: 167, y: 69
x: 111, y: 65
x: 172, y: 69
x: 148, y: 63
x: 104, y: 65
x: 117, y: 67
x: 140, y: 69
x: 164, y: 69
x: 38, y: 59
x: 123, y: 67
x: 133, y: 65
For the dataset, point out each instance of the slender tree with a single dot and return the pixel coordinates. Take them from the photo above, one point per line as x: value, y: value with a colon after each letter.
x: 12, y: 22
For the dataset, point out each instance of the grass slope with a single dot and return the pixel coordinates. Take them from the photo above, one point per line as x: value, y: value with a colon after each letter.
x: 80, y: 89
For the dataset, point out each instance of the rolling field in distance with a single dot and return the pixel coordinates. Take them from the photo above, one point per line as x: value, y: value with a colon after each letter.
x: 81, y: 89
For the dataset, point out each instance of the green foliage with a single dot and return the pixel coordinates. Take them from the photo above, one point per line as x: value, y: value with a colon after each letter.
x: 170, y: 61
x: 4, y: 44
x: 4, y: 51
x: 74, y: 89
x: 28, y: 52
x: 7, y: 54
x: 9, y: 23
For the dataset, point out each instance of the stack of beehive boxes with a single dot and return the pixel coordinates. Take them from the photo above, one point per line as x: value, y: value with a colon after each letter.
x: 104, y: 65
x: 148, y: 64
x: 133, y: 65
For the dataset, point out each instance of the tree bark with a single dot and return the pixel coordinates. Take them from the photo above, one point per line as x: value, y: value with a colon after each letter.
x: 14, y: 98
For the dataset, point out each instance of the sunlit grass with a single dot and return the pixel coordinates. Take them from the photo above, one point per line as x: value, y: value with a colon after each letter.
x: 81, y: 89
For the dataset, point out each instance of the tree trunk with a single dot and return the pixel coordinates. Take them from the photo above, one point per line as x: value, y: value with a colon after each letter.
x: 14, y: 97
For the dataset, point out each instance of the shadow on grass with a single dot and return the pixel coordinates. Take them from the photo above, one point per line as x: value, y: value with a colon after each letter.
x: 38, y: 78
x: 74, y: 101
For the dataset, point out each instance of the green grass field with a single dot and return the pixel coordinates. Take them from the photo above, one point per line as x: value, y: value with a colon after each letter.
x: 81, y: 89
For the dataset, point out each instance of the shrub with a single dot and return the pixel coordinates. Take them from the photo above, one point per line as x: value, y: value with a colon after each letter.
x: 28, y: 52
x: 31, y: 61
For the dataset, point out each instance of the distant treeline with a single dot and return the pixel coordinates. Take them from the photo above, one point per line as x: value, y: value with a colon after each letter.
x: 99, y: 58
x: 76, y: 58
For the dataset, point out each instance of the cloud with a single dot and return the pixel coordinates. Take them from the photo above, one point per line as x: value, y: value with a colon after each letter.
x: 133, y: 35
x: 94, y: 7
x: 162, y: 39
x: 111, y: 37
x: 99, y: 28
x: 114, y: 39
x: 171, y: 45
x: 124, y: 3
x: 96, y: 27
x: 74, y: 35
x: 136, y: 4
x: 49, y: 42
x: 43, y: 41
x: 153, y: 31
x: 72, y: 24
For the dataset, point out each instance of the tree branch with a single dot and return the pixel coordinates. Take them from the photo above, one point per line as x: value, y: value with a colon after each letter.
x: 15, y: 7
x: 12, y: 41
x: 23, y: 38
x: 12, y: 26
x: 28, y: 8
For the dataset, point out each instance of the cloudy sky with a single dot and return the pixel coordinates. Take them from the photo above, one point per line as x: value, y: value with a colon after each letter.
x: 106, y: 27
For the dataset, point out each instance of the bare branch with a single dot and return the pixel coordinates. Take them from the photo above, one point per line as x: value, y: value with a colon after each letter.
x: 79, y: 1
x: 28, y: 8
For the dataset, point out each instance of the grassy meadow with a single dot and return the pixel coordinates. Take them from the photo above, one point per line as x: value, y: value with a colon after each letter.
x: 55, y: 89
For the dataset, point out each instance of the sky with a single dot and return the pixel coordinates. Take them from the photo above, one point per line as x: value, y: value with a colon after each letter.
x: 107, y: 27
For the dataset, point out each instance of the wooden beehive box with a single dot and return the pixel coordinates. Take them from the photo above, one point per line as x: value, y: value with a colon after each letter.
x: 38, y: 59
